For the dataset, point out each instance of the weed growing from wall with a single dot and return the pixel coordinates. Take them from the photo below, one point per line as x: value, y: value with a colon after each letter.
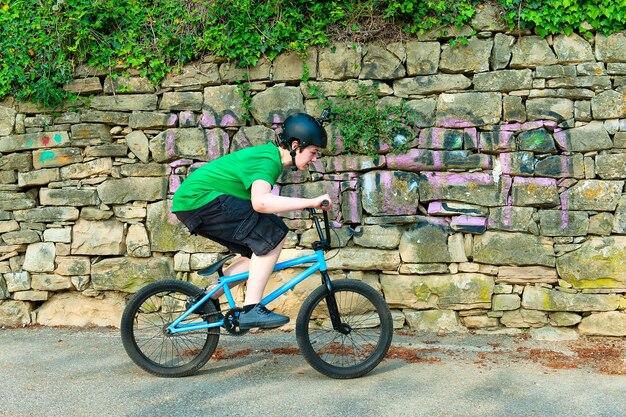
x: 363, y: 124
x: 243, y: 88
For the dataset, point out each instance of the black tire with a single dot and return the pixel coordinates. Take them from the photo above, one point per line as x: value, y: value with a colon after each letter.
x: 147, y: 315
x: 350, y: 355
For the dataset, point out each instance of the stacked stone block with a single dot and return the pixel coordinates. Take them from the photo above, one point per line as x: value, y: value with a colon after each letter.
x: 508, y: 211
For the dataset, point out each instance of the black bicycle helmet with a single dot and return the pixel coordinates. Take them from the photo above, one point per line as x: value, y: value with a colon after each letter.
x: 305, y: 129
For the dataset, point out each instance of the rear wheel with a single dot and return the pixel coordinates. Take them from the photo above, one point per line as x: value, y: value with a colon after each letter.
x: 360, y: 342
x: 144, y: 330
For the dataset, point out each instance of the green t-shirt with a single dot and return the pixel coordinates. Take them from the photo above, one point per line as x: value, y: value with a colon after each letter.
x: 232, y: 174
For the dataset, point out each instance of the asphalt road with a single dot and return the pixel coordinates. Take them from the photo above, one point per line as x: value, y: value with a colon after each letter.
x: 78, y: 372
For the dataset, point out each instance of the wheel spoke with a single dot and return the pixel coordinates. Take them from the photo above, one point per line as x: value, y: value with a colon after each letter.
x: 361, y: 342
x: 145, y: 335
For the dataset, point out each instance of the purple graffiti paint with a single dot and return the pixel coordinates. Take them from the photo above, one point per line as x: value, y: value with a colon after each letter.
x: 468, y: 221
x: 195, y: 166
x: 550, y: 124
x: 318, y: 166
x: 471, y: 137
x: 564, y: 167
x: 541, y: 182
x: 417, y: 160
x: 437, y: 160
x: 170, y: 146
x: 405, y: 161
x: 383, y: 147
x: 564, y: 212
x: 535, y: 124
x: 339, y: 143
x: 353, y: 201
x: 228, y: 120
x: 175, y: 182
x: 172, y: 120
x: 435, y: 208
x: 506, y: 163
x: 344, y: 178
x: 386, y: 180
x: 463, y: 179
x: 276, y: 119
x: 455, y: 122
x: 503, y: 140
x: 395, y: 198
x: 469, y: 224
x: 438, y: 137
x: 171, y: 217
x: 507, y: 214
x: 507, y: 184
x: 423, y: 139
x: 180, y: 163
x: 216, y: 144
x: 187, y: 118
x: 560, y: 136
x: 295, y: 192
x: 511, y: 127
x: 207, y: 120
x: 437, y: 221
x: 334, y: 190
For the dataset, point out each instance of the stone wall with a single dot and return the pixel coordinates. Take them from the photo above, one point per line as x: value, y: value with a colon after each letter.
x: 508, y: 211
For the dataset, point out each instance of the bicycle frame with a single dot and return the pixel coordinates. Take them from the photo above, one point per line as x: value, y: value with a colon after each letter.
x: 319, y: 264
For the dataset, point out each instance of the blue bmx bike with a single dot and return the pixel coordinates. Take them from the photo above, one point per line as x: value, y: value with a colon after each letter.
x: 344, y: 327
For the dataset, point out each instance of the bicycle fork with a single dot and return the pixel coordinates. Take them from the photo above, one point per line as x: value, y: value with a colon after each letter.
x: 331, y: 302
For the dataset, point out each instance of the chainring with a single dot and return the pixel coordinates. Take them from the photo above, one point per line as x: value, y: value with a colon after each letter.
x: 231, y: 322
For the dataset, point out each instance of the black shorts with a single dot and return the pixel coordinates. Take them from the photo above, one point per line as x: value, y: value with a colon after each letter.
x: 232, y: 222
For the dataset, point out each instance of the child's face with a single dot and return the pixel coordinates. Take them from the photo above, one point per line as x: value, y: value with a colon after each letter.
x: 304, y: 157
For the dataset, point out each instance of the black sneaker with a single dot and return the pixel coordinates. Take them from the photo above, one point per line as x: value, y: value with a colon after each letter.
x: 262, y: 318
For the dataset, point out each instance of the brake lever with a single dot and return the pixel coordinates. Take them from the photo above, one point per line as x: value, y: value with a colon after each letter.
x: 326, y: 224
x: 326, y: 236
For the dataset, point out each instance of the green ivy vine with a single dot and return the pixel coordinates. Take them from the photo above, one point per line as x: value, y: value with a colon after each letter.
x: 43, y: 42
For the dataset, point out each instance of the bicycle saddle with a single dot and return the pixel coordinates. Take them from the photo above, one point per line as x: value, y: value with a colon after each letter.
x: 216, y: 267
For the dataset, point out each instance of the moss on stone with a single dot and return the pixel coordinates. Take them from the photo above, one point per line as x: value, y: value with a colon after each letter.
x: 422, y: 292
x: 598, y: 263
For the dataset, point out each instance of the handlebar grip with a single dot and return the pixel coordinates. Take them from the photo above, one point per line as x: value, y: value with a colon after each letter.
x: 325, y: 203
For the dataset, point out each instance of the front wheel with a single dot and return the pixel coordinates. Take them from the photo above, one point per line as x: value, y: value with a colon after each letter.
x: 361, y: 340
x: 144, y: 329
